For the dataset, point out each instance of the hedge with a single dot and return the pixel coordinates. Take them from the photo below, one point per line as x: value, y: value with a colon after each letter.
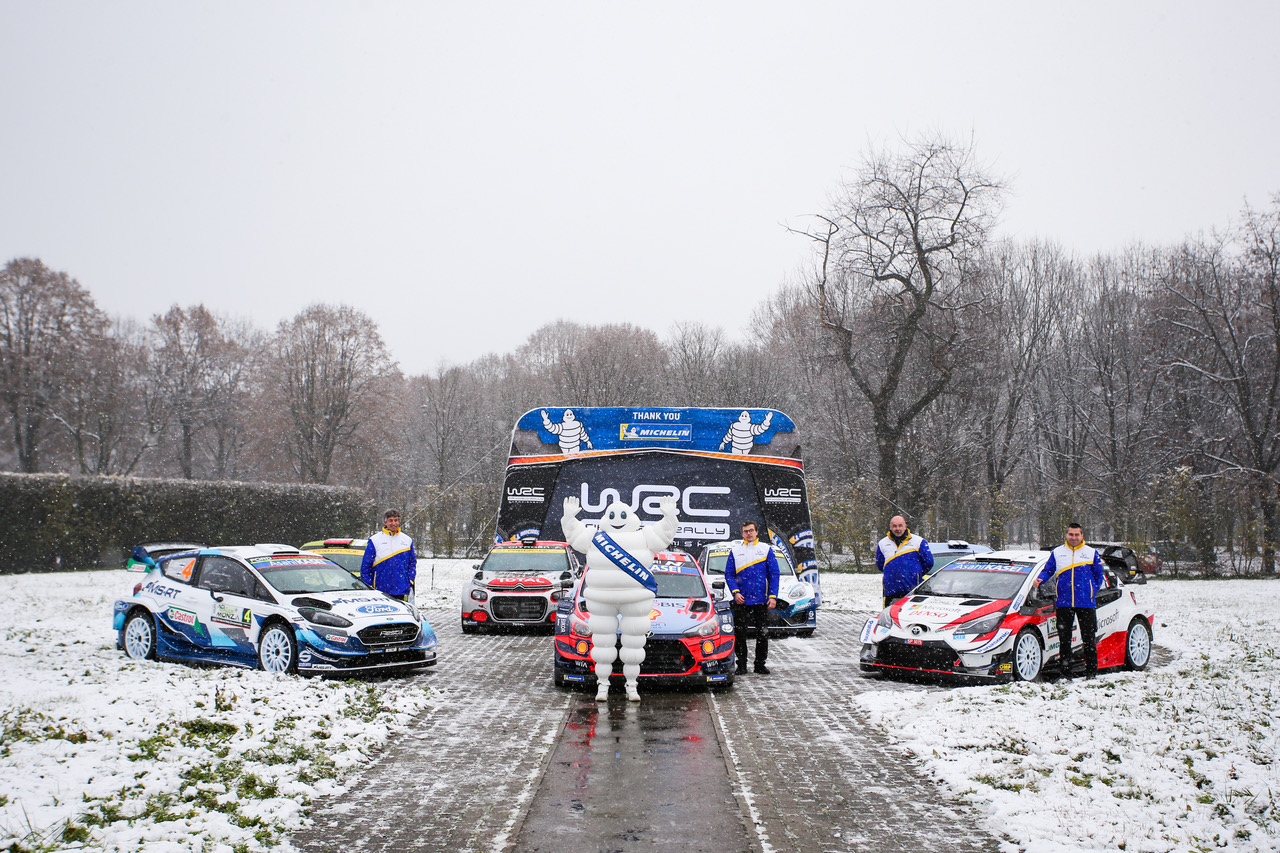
x: 51, y: 522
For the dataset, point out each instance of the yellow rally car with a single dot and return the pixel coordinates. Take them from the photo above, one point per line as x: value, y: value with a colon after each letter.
x: 345, y: 552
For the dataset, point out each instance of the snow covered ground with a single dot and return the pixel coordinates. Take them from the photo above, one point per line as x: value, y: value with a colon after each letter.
x: 104, y: 753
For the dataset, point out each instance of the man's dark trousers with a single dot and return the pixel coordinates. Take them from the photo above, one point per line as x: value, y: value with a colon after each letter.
x: 1088, y: 636
x: 751, y: 616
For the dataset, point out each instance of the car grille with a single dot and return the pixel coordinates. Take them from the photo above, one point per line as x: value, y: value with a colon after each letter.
x: 518, y: 608
x: 394, y: 634
x: 663, y: 657
x: 931, y: 654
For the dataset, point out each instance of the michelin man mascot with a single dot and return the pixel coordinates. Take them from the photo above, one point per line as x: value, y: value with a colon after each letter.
x: 618, y: 583
x: 742, y: 433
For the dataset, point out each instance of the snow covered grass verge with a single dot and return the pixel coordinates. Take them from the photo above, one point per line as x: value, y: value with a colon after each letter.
x: 1184, y: 757
x: 101, y: 752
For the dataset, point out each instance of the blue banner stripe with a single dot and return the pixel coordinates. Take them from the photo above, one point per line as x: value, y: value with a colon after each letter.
x: 620, y: 558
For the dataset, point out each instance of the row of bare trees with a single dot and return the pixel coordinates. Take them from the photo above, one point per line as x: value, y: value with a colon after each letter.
x: 988, y: 390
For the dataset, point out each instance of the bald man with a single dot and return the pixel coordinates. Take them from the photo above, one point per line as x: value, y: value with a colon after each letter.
x: 904, y: 558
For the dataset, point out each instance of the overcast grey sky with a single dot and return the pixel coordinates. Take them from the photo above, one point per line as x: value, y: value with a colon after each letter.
x: 466, y: 172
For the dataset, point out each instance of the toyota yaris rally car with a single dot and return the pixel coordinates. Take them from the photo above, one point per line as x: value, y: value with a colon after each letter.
x: 981, y: 617
x: 268, y: 606
x: 691, y: 639
x: 796, y: 613
x: 518, y: 585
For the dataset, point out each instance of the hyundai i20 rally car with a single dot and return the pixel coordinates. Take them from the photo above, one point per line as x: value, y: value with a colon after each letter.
x: 980, y: 617
x: 691, y: 639
x: 518, y: 585
x: 348, y: 553
x: 796, y: 613
x: 268, y: 606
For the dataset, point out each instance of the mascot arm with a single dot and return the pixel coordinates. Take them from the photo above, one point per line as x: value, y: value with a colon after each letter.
x: 575, y: 532
x: 659, y: 536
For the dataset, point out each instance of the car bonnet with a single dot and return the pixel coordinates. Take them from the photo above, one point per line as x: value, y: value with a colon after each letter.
x: 360, y: 606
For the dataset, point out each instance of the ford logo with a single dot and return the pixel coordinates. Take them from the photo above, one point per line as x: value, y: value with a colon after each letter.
x: 378, y: 608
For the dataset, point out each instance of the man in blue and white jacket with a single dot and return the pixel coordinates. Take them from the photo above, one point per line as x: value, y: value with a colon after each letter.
x: 1079, y: 571
x: 904, y: 558
x: 389, y: 564
x: 751, y: 574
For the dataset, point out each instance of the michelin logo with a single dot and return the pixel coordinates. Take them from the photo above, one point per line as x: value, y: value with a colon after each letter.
x: 655, y: 432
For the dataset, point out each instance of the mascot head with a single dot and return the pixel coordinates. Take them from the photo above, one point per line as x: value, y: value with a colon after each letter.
x: 568, y: 415
x: 618, y: 516
x: 744, y: 418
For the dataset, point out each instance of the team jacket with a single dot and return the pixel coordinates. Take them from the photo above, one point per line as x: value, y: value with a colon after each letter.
x: 1081, y: 575
x: 389, y: 563
x: 753, y: 571
x: 903, y: 565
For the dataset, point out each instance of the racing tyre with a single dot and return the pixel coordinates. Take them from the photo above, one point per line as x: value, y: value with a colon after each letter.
x: 140, y: 637
x: 278, y: 650
x: 1028, y: 656
x: 1137, y: 645
x: 805, y: 632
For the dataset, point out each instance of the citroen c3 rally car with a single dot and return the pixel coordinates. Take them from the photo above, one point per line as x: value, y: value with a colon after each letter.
x: 796, y: 612
x: 268, y: 606
x: 691, y: 639
x: 981, y: 617
x: 518, y: 585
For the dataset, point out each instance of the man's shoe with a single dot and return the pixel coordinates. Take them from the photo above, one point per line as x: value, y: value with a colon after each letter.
x: 742, y: 669
x: 762, y: 669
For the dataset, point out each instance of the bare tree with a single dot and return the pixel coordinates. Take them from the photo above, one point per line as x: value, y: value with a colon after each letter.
x: 1225, y: 300
x: 46, y: 319
x: 114, y: 412
x: 325, y: 368
x: 899, y: 250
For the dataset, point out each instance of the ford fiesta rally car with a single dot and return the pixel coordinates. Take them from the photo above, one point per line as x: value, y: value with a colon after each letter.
x: 980, y: 617
x: 690, y: 641
x: 518, y: 585
x: 796, y: 612
x: 268, y: 606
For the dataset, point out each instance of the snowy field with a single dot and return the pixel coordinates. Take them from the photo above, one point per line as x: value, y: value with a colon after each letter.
x: 99, y: 752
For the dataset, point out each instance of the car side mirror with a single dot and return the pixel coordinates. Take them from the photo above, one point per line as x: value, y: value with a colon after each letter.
x: 717, y: 585
x: 479, y: 574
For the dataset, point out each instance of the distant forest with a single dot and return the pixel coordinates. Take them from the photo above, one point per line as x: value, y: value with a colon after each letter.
x: 988, y: 390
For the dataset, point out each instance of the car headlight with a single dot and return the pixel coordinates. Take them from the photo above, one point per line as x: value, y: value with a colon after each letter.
x: 479, y: 595
x: 795, y: 592
x: 706, y: 629
x: 577, y: 626
x: 984, y: 625
x: 323, y: 617
x: 885, y: 620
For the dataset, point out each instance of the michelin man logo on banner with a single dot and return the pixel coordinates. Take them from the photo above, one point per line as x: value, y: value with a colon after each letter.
x: 571, y: 431
x: 742, y: 433
x: 618, y: 586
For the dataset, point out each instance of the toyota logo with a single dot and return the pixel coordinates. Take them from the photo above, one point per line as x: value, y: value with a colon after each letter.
x: 916, y: 630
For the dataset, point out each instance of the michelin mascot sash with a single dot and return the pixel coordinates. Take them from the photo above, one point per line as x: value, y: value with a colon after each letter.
x: 618, y: 583
x: 624, y: 561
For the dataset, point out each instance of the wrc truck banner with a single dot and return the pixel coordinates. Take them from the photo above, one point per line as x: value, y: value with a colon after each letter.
x: 620, y: 557
x: 723, y: 467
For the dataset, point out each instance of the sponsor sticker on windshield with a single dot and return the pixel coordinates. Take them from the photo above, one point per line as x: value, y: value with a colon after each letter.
x: 278, y: 562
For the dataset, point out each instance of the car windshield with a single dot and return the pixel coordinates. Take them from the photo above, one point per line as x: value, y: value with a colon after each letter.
x: 970, y: 582
x: 534, y: 560
x: 679, y: 585
x: 319, y: 575
x: 715, y: 565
